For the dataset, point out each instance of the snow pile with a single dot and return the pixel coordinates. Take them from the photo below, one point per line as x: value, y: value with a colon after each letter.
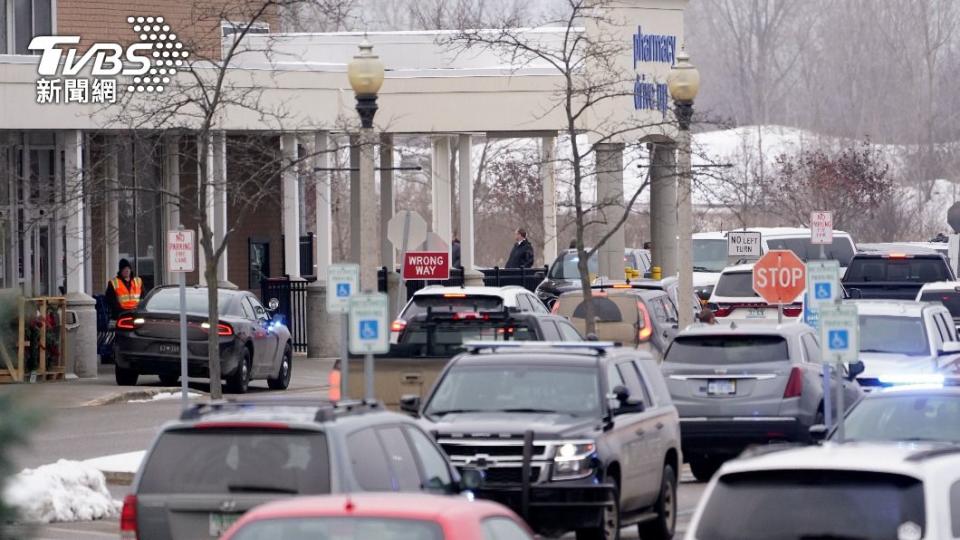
x: 117, y: 463
x: 64, y: 491
x: 164, y: 396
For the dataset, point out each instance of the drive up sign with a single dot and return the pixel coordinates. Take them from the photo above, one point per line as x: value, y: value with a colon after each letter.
x: 779, y: 277
x: 432, y: 265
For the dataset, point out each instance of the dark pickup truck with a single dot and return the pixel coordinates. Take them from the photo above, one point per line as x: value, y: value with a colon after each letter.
x: 895, y: 276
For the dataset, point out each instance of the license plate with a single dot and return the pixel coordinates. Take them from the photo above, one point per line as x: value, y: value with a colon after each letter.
x: 757, y: 313
x: 722, y: 387
x: 219, y: 523
x: 169, y: 348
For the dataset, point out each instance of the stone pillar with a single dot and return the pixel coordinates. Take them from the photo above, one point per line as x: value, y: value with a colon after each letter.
x: 323, y: 328
x: 465, y: 190
x: 387, y: 200
x: 610, y: 200
x: 291, y: 206
x: 323, y: 202
x: 685, y: 230
x: 220, y: 182
x: 441, y: 209
x: 548, y: 179
x: 171, y: 182
x: 82, y: 329
x: 663, y: 208
x: 111, y: 249
x: 368, y: 230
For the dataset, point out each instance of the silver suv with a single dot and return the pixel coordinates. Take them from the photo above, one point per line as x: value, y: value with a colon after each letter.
x: 738, y: 386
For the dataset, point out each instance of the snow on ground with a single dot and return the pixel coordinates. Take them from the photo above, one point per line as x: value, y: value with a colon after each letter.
x: 164, y: 396
x: 64, y: 491
x: 120, y: 463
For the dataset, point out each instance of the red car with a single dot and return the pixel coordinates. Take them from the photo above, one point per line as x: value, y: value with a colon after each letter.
x: 380, y: 516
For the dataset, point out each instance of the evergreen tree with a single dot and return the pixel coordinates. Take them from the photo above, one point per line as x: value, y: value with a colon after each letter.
x: 15, y: 424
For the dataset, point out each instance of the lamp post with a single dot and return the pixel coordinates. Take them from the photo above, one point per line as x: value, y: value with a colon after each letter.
x: 684, y: 83
x: 365, y: 72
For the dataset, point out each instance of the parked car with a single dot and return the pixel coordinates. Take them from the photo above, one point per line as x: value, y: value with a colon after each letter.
x: 734, y: 299
x: 381, y: 517
x: 854, y: 490
x: 465, y: 299
x: 945, y: 292
x: 564, y: 272
x: 585, y: 433
x: 939, y: 247
x: 903, y: 338
x: 430, y: 340
x: 221, y: 459
x: 670, y: 285
x: 797, y: 240
x: 646, y: 319
x: 252, y: 344
x: 895, y: 276
x: 740, y: 386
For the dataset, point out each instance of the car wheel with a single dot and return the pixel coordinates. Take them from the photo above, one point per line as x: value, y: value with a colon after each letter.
x: 169, y: 379
x: 664, y: 526
x: 703, y: 469
x: 126, y: 376
x: 286, y: 369
x: 239, y: 381
x: 610, y: 530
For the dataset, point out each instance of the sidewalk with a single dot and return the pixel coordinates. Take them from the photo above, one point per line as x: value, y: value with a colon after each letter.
x: 309, y: 377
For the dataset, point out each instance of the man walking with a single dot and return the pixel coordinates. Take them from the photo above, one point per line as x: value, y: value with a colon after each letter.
x: 521, y: 255
x: 123, y: 291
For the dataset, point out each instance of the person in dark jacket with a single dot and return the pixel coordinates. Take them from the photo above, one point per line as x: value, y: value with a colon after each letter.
x: 123, y: 292
x: 521, y: 255
x: 455, y: 253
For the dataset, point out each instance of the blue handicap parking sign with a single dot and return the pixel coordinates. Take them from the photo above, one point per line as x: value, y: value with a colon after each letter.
x: 369, y: 328
x: 343, y: 290
x: 822, y: 291
x: 838, y: 340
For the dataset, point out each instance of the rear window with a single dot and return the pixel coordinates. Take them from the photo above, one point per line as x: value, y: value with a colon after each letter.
x: 841, y: 250
x: 340, y: 528
x: 773, y: 505
x: 447, y: 339
x: 220, y: 461
x: 619, y: 308
x: 168, y: 300
x: 451, y: 303
x: 722, y: 350
x: 914, y: 270
x: 736, y: 284
x: 565, y: 267
x: 950, y: 300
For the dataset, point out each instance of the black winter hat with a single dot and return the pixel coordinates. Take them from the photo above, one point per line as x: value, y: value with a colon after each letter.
x: 124, y: 264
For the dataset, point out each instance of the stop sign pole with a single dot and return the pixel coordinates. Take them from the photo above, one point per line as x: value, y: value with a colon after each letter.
x: 779, y: 277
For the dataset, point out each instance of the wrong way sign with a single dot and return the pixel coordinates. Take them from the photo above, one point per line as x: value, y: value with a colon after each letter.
x: 430, y: 265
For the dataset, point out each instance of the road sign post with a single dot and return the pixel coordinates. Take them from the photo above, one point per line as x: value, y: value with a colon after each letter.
x: 779, y: 277
x: 180, y: 260
x: 743, y: 244
x: 343, y: 280
x: 405, y: 229
x: 821, y: 230
x: 369, y: 332
x: 823, y: 283
x: 840, y: 339
x: 426, y: 265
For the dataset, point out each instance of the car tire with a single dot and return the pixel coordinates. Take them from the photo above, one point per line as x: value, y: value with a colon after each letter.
x: 664, y: 526
x: 282, y: 381
x: 126, y: 376
x: 239, y: 381
x: 703, y: 469
x: 169, y: 379
x: 611, y: 524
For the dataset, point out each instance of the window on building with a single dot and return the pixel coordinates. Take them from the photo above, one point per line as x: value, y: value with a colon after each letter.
x: 20, y: 21
x: 229, y: 28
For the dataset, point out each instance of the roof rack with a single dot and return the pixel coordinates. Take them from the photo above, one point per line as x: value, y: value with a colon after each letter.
x: 934, y: 453
x: 598, y: 347
x: 326, y: 410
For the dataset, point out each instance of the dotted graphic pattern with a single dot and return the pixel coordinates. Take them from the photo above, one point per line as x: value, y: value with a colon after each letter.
x: 167, y: 55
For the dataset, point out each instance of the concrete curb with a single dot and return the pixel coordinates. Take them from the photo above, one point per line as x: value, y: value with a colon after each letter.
x: 116, y: 478
x: 129, y: 395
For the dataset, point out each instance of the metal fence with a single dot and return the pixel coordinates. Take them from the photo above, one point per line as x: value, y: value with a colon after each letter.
x: 527, y: 278
x: 292, y: 296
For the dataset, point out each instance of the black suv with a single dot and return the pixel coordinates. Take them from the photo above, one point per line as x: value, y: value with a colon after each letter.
x: 222, y: 459
x: 572, y: 436
x: 895, y: 276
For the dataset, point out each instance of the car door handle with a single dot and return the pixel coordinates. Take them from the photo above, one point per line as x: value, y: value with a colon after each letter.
x: 640, y: 432
x: 659, y: 425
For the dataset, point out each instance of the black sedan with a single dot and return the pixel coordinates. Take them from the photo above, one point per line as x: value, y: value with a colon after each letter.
x: 252, y: 345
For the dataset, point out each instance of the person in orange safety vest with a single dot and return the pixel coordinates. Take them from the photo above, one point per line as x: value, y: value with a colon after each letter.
x: 123, y: 291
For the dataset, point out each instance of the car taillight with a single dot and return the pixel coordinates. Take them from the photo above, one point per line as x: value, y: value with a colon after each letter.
x: 470, y: 316
x: 645, y: 331
x: 792, y: 311
x: 125, y: 323
x: 794, y: 384
x: 128, y: 518
x: 223, y: 329
x: 556, y: 307
x: 723, y: 311
x: 398, y: 325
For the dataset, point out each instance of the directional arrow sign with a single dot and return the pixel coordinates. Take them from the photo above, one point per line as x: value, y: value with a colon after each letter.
x: 369, y: 333
x: 840, y: 333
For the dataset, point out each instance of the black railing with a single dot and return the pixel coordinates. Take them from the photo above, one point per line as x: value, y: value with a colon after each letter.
x: 292, y: 296
x: 527, y: 278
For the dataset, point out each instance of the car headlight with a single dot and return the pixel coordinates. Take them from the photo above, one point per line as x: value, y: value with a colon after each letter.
x: 574, y: 459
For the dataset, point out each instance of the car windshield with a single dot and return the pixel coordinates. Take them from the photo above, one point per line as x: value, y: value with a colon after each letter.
x: 727, y: 349
x: 519, y: 387
x: 709, y: 255
x: 168, y: 301
x: 905, y: 418
x: 813, y: 504
x: 452, y: 303
x: 447, y: 338
x: 736, y: 285
x: 221, y: 461
x: 893, y: 334
x: 912, y: 270
x: 340, y: 528
x: 841, y: 250
x: 565, y: 267
x: 950, y: 300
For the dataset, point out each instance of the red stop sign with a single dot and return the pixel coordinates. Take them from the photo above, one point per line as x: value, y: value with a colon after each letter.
x: 779, y: 277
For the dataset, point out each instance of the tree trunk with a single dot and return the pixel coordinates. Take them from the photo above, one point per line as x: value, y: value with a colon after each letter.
x: 213, y: 317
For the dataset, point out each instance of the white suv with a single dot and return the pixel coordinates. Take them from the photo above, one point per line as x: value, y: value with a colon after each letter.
x: 851, y: 490
x: 734, y: 299
x: 945, y: 292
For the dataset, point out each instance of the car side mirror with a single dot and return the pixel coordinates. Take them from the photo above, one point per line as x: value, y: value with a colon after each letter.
x: 950, y: 347
x: 410, y: 404
x: 818, y: 433
x: 854, y: 369
x: 470, y: 479
x: 625, y: 403
x: 855, y: 294
x: 273, y: 304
